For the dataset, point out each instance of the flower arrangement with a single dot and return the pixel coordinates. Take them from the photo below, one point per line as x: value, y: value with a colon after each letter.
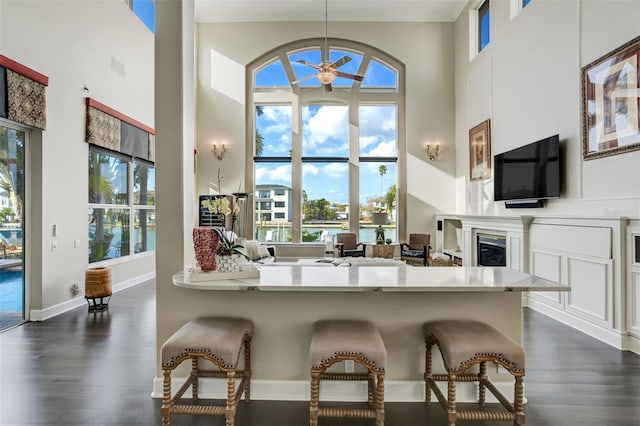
x: 217, y: 205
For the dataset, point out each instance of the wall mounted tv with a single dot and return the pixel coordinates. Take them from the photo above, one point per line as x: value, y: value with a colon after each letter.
x: 526, y: 175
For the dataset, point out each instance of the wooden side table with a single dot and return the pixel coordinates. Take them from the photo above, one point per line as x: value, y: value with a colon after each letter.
x: 383, y: 250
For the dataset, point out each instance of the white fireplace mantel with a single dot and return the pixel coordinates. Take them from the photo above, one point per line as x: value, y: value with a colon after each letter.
x: 514, y: 228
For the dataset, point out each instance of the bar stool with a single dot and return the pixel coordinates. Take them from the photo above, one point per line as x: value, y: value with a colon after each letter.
x: 218, y: 340
x: 463, y: 344
x: 341, y: 340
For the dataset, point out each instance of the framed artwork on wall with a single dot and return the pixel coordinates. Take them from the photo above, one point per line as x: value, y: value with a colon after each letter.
x: 480, y: 151
x: 611, y: 102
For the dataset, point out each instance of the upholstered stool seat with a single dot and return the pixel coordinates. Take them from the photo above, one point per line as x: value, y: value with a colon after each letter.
x: 463, y: 344
x: 220, y: 341
x: 341, y: 340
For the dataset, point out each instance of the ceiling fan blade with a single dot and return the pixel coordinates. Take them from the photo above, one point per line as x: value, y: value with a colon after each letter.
x: 303, y: 79
x: 340, y: 62
x: 351, y: 76
x: 309, y: 64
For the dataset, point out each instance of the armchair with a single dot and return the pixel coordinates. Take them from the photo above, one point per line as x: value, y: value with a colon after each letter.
x: 417, y: 251
x: 348, y: 246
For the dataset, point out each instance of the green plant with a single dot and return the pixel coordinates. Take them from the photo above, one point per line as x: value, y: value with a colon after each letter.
x: 379, y: 235
x: 227, y: 246
x: 309, y: 237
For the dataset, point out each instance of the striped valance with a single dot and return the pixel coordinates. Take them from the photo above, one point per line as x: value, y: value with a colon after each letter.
x: 113, y: 130
x: 22, y: 94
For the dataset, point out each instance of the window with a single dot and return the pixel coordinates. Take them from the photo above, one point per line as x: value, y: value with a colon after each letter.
x: 483, y: 25
x: 121, y: 193
x: 515, y: 6
x: 145, y: 10
x: 318, y: 154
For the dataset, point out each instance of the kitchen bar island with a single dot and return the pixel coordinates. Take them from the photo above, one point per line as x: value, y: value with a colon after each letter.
x: 285, y: 301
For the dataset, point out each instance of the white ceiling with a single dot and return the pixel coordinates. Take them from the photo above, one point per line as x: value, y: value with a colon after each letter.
x: 338, y: 10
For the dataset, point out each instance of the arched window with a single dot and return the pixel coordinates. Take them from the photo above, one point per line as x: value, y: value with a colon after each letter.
x: 326, y: 160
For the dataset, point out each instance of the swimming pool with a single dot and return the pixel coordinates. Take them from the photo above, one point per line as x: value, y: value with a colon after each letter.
x: 11, y: 298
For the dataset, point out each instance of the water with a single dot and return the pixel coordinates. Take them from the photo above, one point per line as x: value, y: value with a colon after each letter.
x: 11, y: 300
x: 367, y: 234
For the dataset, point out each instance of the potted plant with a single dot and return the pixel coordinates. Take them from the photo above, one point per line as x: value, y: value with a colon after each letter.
x: 379, y: 235
x: 228, y: 253
x: 380, y: 217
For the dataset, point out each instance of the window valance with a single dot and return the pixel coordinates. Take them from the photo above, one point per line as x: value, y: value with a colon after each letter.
x: 22, y: 94
x: 113, y: 130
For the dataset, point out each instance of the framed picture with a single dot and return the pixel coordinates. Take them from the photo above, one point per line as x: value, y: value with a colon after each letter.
x: 480, y: 151
x: 611, y: 102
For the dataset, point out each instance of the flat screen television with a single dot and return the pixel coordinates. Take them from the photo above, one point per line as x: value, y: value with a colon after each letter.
x: 529, y: 172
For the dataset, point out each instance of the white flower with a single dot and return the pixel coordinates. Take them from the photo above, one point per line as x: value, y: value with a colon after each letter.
x: 217, y: 205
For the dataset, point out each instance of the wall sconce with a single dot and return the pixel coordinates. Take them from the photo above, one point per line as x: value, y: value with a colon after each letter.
x: 433, y: 150
x: 219, y: 149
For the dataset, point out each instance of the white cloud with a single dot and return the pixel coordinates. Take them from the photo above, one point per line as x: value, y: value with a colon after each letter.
x: 366, y: 141
x: 329, y: 122
x: 309, y: 169
x: 379, y: 120
x: 384, y: 149
x: 336, y: 170
x: 271, y: 175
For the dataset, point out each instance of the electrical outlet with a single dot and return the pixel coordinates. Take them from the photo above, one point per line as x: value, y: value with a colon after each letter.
x: 349, y: 366
x: 75, y: 289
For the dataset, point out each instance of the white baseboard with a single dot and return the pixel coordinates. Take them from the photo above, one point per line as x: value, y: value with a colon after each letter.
x: 632, y: 343
x: 298, y: 390
x: 611, y: 337
x: 60, y: 308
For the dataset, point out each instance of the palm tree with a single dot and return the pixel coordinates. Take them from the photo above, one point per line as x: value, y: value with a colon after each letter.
x: 390, y: 198
x: 259, y: 137
x: 382, y: 170
x: 11, y: 169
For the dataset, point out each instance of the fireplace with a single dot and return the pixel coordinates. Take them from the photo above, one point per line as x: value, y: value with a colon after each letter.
x: 492, y: 250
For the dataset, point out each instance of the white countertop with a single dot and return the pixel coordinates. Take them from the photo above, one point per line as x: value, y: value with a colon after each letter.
x: 374, y: 278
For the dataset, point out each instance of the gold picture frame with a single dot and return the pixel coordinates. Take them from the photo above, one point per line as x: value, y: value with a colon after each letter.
x: 610, y: 103
x: 480, y: 151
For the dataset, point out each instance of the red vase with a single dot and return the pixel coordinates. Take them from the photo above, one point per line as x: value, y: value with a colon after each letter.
x: 205, y: 243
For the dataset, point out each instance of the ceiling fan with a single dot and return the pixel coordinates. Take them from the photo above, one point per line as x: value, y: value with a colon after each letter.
x: 328, y: 71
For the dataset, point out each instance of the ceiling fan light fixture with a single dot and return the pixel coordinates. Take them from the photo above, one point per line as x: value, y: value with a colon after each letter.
x: 326, y: 76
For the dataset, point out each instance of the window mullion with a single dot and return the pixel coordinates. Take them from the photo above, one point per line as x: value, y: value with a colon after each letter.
x: 354, y: 167
x: 296, y: 172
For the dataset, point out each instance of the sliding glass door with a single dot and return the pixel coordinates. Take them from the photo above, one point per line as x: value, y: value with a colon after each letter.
x: 12, y: 172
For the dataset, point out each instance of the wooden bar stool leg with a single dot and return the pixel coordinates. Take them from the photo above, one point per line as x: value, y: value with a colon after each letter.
x: 379, y: 398
x: 231, y: 398
x: 371, y: 389
x: 194, y: 376
x: 518, y: 402
x: 451, y: 400
x: 428, y: 374
x: 315, y: 395
x: 247, y: 370
x: 166, y: 398
x: 482, y: 376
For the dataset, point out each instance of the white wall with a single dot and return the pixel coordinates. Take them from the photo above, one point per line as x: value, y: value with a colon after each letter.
x: 527, y: 81
x: 74, y: 44
x: 425, y: 48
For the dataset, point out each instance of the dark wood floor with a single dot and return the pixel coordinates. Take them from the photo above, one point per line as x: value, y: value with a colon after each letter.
x: 86, y: 369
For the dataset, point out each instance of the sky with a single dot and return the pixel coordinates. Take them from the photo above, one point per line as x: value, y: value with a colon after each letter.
x: 145, y: 10
x: 325, y: 132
